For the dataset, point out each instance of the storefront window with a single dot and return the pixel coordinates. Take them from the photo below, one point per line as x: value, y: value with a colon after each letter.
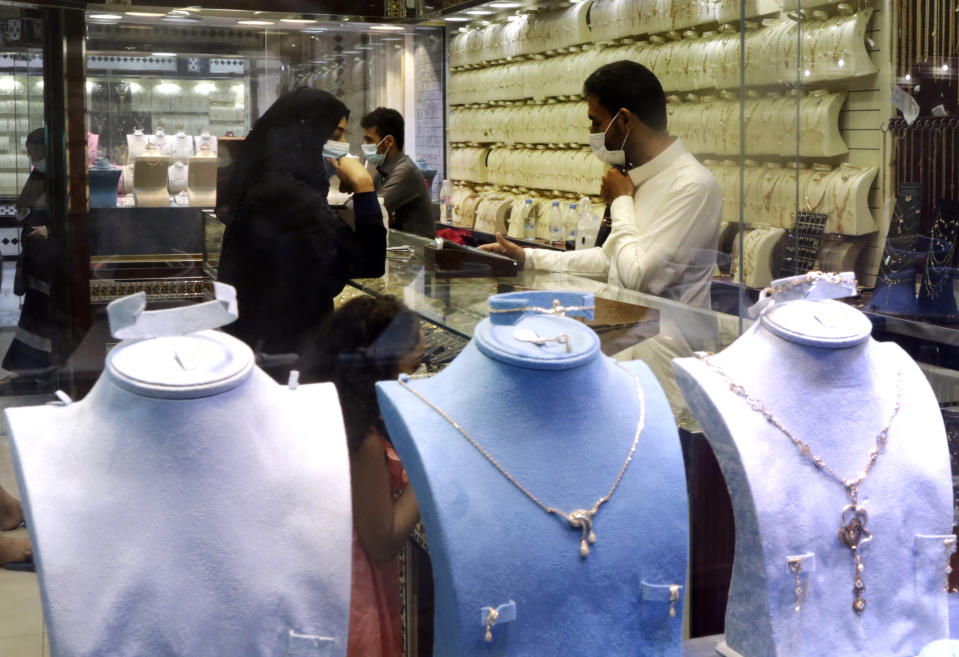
x: 649, y: 168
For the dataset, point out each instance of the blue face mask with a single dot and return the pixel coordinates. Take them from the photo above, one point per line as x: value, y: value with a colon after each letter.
x: 328, y: 169
x: 371, y: 155
x: 336, y: 149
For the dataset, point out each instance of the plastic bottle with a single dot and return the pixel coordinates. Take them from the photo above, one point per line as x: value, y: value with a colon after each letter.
x: 572, y: 218
x: 557, y: 226
x: 529, y: 222
x: 446, y: 203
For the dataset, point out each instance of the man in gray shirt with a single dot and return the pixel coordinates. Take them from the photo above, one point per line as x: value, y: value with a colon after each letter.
x: 400, y: 182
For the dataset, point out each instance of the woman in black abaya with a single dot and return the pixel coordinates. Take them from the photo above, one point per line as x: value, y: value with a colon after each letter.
x: 286, y: 252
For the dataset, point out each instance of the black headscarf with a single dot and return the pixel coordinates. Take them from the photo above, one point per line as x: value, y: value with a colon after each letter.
x: 288, y: 141
x: 284, y: 250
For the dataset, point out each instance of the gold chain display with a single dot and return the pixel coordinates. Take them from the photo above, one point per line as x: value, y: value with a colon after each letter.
x: 557, y: 309
x: 853, y: 532
x: 581, y: 519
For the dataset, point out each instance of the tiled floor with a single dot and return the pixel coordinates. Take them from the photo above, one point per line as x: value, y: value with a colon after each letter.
x: 21, y: 618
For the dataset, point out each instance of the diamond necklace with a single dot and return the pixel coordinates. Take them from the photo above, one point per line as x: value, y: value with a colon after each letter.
x: 581, y: 519
x: 852, y: 527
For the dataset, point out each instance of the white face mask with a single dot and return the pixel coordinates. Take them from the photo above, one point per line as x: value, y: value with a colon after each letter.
x: 371, y: 155
x: 40, y: 165
x: 597, y: 141
x: 336, y: 149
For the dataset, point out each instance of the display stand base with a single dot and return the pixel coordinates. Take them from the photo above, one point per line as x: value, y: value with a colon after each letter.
x: 704, y: 646
x: 724, y: 650
x: 953, y: 615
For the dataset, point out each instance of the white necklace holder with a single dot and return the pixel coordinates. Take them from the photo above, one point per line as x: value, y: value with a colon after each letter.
x: 814, y: 366
x: 136, y: 145
x: 762, y: 250
x: 150, y: 174
x: 491, y: 214
x: 163, y: 142
x: 832, y: 48
x: 167, y: 473
x: 176, y: 178
x: 181, y: 147
x: 491, y: 546
x: 205, y: 138
x: 842, y: 193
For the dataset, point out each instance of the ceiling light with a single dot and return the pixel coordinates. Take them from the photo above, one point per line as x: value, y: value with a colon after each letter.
x: 364, y: 47
x: 350, y: 52
x: 504, y: 5
x: 313, y: 30
x: 180, y: 19
x: 254, y: 22
x: 180, y: 12
x: 391, y: 39
x: 298, y: 20
x: 145, y: 14
x: 106, y: 17
x: 478, y: 12
x: 163, y: 54
x: 387, y: 28
x: 456, y: 19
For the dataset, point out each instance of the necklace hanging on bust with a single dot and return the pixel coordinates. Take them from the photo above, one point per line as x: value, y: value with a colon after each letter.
x: 853, y: 532
x: 578, y: 519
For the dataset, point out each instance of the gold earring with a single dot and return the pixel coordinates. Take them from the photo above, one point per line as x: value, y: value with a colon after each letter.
x: 795, y: 567
x: 673, y: 599
x: 491, y: 618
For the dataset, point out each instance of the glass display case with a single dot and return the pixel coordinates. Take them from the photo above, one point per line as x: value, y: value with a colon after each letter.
x: 827, y: 130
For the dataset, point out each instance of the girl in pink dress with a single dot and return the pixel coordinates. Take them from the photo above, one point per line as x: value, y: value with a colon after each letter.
x: 368, y: 340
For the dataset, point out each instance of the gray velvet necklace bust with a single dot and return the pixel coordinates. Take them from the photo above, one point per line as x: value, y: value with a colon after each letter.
x: 188, y: 505
x: 815, y: 367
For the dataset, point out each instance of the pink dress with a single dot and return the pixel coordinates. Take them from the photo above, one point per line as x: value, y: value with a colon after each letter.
x: 375, y: 606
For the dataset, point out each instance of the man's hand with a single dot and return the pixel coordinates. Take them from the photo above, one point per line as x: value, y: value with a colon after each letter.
x: 504, y: 247
x: 354, y: 174
x: 616, y: 184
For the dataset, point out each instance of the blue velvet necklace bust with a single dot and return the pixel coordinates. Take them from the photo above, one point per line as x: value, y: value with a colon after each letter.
x: 794, y: 593
x: 535, y: 392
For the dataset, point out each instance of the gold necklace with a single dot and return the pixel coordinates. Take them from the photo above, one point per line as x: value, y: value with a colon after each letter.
x: 840, y: 209
x: 814, y: 178
x: 581, y: 519
x: 767, y: 193
x: 853, y: 519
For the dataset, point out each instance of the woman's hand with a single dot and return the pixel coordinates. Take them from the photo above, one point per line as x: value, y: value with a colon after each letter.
x: 351, y: 171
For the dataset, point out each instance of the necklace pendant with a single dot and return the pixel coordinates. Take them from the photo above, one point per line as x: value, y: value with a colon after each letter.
x: 854, y: 535
x: 852, y: 531
x: 582, y: 520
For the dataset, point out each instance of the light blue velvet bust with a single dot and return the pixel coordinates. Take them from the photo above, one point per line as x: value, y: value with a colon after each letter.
x: 188, y: 505
x: 561, y: 423
x: 817, y: 370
